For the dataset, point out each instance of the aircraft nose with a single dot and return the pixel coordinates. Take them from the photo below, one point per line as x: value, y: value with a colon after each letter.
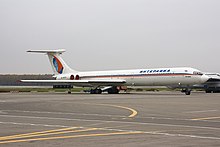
x: 204, y: 78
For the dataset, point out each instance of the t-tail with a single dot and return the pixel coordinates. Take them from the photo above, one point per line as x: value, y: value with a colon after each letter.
x: 57, y: 63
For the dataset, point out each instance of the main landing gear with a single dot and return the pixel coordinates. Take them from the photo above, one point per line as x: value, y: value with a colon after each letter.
x: 95, y: 91
x: 112, y: 90
x: 186, y: 91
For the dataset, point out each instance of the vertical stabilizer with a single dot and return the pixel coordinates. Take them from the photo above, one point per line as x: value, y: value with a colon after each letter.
x: 57, y: 63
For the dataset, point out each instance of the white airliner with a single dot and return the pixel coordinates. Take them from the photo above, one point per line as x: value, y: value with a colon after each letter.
x: 112, y: 81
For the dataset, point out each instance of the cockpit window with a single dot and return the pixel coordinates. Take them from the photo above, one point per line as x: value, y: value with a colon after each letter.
x: 197, y: 73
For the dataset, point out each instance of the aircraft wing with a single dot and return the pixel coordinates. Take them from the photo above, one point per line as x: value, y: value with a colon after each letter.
x: 83, y: 83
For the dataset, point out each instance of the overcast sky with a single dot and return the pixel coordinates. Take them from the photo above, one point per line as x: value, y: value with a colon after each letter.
x: 110, y: 34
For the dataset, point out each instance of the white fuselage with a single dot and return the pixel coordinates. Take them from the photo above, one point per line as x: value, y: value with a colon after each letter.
x: 146, y: 77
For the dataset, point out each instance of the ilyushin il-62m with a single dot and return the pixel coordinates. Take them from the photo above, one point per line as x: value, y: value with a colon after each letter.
x: 112, y: 81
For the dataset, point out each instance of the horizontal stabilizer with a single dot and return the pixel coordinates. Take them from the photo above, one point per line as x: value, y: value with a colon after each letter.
x: 57, y: 63
x: 47, y: 51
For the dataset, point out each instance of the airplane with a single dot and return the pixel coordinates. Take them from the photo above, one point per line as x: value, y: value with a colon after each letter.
x: 112, y: 81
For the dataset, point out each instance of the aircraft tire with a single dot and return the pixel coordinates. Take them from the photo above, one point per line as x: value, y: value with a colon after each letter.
x: 188, y: 92
x: 95, y: 91
x: 113, y: 90
x: 208, y: 91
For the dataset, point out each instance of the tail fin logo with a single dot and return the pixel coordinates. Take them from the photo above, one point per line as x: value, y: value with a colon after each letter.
x: 58, y: 65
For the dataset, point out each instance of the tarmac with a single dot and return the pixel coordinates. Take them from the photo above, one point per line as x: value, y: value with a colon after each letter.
x: 124, y: 120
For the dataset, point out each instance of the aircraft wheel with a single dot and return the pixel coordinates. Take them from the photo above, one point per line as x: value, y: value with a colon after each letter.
x: 98, y: 91
x: 188, y: 92
x: 92, y: 91
x: 208, y: 91
x: 113, y: 90
x: 95, y: 91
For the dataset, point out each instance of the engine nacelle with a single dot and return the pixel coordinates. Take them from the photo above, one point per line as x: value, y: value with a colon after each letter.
x: 68, y: 77
x: 77, y: 77
x: 72, y: 77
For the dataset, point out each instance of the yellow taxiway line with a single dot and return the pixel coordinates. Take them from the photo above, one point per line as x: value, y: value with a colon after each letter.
x: 47, y: 134
x: 133, y: 114
x: 133, y: 111
x: 21, y: 137
x: 35, y: 133
x: 205, y: 118
x: 73, y: 136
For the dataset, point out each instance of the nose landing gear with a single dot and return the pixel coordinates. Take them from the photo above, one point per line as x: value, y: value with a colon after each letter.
x: 186, y: 91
